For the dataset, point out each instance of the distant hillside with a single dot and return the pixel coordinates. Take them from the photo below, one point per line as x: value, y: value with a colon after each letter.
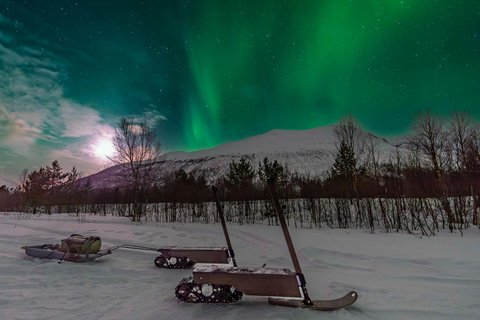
x: 302, y: 151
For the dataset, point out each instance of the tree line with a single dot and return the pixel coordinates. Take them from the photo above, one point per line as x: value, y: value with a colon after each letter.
x: 429, y: 183
x: 44, y: 188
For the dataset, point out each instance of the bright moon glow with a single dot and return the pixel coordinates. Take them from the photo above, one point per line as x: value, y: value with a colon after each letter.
x: 104, y: 148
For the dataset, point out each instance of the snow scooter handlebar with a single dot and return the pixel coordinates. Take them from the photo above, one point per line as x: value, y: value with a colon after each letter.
x: 224, y: 226
x: 288, y: 239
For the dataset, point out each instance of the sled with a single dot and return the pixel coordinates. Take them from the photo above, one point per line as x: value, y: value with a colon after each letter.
x: 75, y: 248
x: 284, y: 287
x: 47, y: 251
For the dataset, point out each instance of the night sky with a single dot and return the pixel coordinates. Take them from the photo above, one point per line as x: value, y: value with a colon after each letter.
x: 209, y: 72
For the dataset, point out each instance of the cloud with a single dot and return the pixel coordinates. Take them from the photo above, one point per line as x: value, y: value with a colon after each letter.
x: 38, y: 122
x: 78, y: 120
x: 18, y: 130
x: 151, y: 116
x: 32, y: 96
x: 28, y: 94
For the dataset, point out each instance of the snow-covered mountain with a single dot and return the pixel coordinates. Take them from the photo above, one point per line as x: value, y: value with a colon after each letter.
x: 302, y: 151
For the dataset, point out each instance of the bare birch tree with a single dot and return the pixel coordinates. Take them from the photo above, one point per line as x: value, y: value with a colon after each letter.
x: 472, y: 167
x: 464, y: 131
x: 137, y: 152
x: 429, y: 138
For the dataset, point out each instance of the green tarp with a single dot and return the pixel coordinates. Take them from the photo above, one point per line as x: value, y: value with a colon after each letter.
x: 77, y: 243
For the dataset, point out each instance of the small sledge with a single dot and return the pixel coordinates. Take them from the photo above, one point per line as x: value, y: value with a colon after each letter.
x: 76, y: 248
x: 215, y: 284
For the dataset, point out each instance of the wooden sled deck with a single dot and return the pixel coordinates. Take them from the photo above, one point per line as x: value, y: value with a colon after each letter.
x: 269, y: 282
x: 198, y: 255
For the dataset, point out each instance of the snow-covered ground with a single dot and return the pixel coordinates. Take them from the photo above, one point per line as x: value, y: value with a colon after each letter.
x: 397, y: 276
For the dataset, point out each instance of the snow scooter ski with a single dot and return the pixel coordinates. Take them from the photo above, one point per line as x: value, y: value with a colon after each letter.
x: 215, y: 284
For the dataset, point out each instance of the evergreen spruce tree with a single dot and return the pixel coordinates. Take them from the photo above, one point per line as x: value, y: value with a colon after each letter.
x: 241, y: 173
x: 345, y: 163
x: 271, y: 169
x: 239, y: 181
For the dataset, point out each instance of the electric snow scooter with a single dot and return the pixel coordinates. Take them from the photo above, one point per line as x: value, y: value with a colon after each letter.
x: 214, y: 284
x: 184, y: 258
x: 173, y: 257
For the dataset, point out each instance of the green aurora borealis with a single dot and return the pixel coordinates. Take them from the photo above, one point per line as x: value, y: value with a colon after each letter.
x: 220, y: 71
x: 306, y: 64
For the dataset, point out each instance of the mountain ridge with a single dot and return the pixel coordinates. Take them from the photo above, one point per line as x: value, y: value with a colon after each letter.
x: 310, y: 151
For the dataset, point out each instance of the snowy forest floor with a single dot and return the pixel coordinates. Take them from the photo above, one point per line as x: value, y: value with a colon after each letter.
x: 397, y: 275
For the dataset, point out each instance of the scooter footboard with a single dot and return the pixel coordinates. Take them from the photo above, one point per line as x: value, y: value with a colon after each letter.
x: 198, y: 255
x: 271, y: 282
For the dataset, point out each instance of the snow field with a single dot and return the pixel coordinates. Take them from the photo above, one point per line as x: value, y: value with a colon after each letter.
x: 397, y: 276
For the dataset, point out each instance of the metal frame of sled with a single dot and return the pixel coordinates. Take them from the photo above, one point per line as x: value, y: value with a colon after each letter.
x: 282, y: 286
